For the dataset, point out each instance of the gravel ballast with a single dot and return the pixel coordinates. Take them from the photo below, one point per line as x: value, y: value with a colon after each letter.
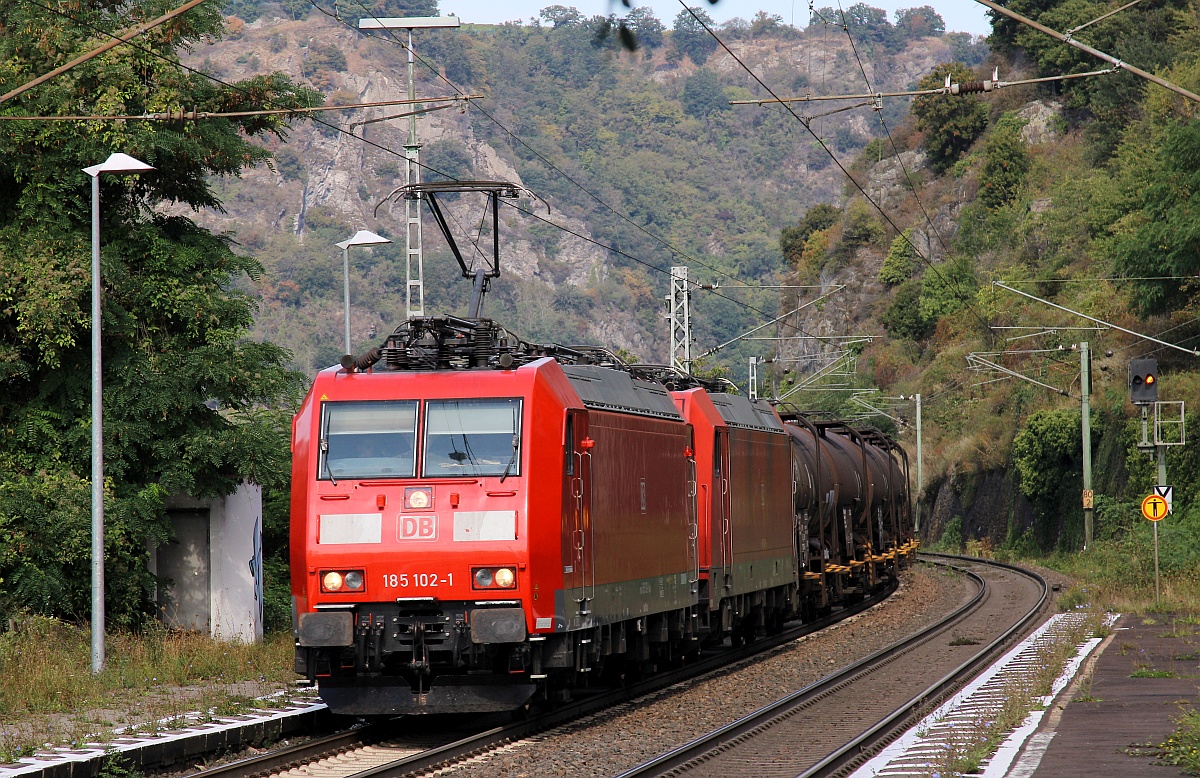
x: 608, y: 743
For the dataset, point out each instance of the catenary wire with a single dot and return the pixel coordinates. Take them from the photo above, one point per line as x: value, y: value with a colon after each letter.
x: 395, y: 39
x: 392, y: 37
x: 958, y: 293
x: 674, y: 249
x: 652, y: 267
x: 882, y: 123
x: 236, y: 88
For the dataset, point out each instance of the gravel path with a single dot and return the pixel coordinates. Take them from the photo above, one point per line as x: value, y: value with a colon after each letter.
x: 616, y: 740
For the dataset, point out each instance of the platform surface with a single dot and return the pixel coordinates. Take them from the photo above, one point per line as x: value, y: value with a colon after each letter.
x: 1098, y: 731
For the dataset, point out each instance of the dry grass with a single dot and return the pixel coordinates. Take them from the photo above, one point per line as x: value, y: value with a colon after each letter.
x: 48, y: 695
x: 971, y: 745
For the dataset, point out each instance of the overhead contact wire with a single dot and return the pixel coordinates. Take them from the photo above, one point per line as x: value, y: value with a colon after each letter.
x: 395, y: 39
x: 904, y: 168
x: 965, y: 300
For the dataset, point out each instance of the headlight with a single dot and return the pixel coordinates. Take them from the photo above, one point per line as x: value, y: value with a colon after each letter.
x: 343, y: 580
x: 418, y: 498
x: 493, y: 578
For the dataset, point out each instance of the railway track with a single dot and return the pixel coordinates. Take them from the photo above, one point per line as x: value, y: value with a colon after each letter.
x: 833, y: 724
x: 377, y: 751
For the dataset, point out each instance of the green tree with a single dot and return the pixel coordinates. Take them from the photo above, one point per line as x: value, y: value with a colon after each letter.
x: 903, y: 318
x: 1157, y: 233
x: 766, y: 25
x: 1006, y: 163
x: 821, y: 216
x: 860, y: 226
x: 871, y: 26
x: 920, y: 22
x: 646, y: 27
x: 703, y: 94
x: 947, y: 288
x: 690, y: 37
x: 900, y: 262
x: 189, y: 401
x: 1046, y: 454
x: 560, y: 15
x: 950, y: 123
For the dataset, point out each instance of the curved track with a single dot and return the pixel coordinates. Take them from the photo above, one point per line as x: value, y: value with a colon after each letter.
x: 835, y: 722
x: 379, y: 752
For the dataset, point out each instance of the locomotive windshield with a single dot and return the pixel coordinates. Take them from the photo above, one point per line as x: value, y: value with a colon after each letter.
x: 472, y: 437
x: 369, y: 440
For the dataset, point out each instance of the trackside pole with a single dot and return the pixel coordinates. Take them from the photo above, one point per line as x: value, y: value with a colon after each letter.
x: 1162, y: 481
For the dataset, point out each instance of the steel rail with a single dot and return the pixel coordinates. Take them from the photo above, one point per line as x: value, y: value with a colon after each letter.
x: 895, y: 724
x: 769, y: 714
x: 297, y: 755
x: 477, y: 744
x: 491, y: 738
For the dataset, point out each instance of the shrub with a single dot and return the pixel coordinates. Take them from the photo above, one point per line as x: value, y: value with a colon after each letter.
x: 793, y: 241
x: 903, y: 318
x: 947, y: 288
x: 1006, y: 164
x: 860, y: 227
x: 950, y: 124
x: 900, y: 262
x: 703, y: 95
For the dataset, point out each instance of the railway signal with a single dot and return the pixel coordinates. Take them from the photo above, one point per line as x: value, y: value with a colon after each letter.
x: 1143, y: 381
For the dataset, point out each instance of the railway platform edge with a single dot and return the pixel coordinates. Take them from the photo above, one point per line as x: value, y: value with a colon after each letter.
x: 171, y: 746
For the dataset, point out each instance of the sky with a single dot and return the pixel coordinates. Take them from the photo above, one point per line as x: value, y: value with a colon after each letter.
x: 960, y: 15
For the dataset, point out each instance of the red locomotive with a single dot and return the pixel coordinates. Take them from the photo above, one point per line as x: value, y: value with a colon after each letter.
x: 478, y: 521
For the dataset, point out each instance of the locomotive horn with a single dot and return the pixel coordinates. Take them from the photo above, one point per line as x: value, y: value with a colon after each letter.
x: 350, y: 363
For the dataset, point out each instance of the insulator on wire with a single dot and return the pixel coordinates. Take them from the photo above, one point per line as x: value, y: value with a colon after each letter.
x: 971, y: 87
x: 179, y: 114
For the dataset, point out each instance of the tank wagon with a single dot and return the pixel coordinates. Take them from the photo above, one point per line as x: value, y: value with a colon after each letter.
x: 478, y: 522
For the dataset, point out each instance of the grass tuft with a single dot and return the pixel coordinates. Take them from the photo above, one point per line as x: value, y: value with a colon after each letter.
x: 1182, y: 748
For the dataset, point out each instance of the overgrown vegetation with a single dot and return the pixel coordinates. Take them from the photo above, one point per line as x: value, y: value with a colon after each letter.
x: 968, y: 747
x: 152, y: 680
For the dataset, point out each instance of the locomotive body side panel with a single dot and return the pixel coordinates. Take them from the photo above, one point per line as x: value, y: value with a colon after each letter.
x: 640, y: 516
x: 761, y: 517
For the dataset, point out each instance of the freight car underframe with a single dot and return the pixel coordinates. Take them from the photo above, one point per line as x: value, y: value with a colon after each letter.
x: 432, y: 657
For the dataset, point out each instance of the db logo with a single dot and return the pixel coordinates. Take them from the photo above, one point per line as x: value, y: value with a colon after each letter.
x: 418, y: 527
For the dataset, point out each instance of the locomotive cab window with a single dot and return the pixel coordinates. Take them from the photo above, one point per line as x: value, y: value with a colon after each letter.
x: 369, y: 440
x: 472, y: 437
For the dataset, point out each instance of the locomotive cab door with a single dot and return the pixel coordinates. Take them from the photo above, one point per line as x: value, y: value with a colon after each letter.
x: 723, y: 504
x: 579, y: 569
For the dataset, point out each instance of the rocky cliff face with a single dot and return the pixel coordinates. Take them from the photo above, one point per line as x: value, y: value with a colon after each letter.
x: 346, y: 177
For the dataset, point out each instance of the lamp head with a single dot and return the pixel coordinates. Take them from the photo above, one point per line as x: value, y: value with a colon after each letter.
x: 362, y: 238
x: 118, y: 163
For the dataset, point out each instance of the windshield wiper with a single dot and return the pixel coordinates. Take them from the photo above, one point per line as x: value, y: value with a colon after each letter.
x: 511, y: 460
x: 325, y: 461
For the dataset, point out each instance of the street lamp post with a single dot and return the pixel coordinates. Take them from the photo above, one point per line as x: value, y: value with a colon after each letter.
x: 116, y: 163
x: 360, y: 238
